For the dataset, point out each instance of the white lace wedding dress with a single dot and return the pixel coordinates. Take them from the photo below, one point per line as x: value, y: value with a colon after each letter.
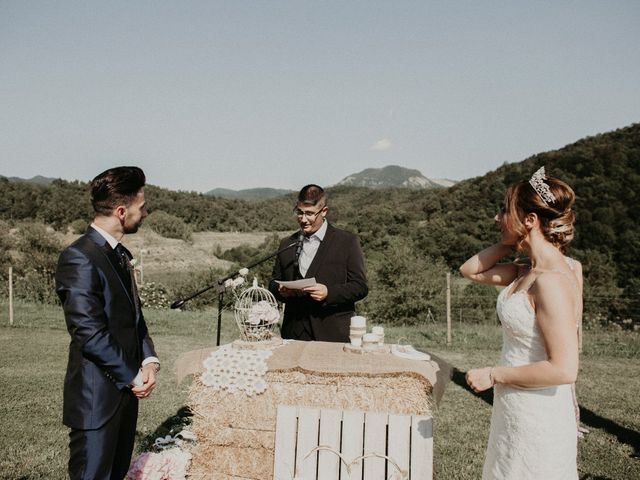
x: 533, y: 431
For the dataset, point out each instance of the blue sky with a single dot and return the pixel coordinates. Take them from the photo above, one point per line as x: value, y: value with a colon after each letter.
x: 243, y: 94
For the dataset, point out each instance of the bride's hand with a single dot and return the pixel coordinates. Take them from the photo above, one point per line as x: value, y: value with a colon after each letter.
x: 480, y: 379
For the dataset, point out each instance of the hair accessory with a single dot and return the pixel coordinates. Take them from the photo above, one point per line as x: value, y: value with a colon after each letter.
x: 541, y: 188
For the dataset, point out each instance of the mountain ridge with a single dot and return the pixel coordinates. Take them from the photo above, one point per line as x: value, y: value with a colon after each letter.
x: 259, y: 193
x: 390, y: 176
x: 393, y: 176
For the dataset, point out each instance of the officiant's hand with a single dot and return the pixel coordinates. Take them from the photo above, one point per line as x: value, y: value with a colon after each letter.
x: 479, y: 379
x: 148, y: 381
x: 318, y: 292
x: 286, y: 292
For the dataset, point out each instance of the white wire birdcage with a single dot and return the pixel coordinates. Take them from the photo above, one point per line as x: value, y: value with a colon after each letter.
x: 256, y: 313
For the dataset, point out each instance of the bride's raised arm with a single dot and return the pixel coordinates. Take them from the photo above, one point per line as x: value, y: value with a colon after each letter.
x: 483, y: 267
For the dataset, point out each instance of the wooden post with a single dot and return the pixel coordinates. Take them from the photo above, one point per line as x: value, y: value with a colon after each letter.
x: 142, y: 252
x: 448, y: 309
x: 11, y: 296
x: 580, y: 337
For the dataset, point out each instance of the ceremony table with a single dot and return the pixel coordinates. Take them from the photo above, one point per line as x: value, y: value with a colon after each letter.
x: 236, y: 431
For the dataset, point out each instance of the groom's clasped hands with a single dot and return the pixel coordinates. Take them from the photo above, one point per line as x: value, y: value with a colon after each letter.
x: 148, y: 381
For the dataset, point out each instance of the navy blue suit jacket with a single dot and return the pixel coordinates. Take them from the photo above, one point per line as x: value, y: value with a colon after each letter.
x: 109, y: 337
x: 338, y: 264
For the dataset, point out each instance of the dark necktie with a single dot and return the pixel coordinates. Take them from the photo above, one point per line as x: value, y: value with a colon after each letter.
x: 127, y: 268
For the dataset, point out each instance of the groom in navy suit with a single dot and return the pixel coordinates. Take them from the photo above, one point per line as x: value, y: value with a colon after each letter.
x: 112, y: 362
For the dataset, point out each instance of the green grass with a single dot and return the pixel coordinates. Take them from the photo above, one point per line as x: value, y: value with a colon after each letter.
x: 33, y: 444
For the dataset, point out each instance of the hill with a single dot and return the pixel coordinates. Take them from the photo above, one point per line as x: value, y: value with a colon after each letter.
x: 38, y: 180
x: 249, y: 193
x: 389, y: 176
x: 392, y: 176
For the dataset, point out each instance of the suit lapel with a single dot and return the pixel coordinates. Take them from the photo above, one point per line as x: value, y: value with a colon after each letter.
x: 112, y: 259
x: 325, y: 246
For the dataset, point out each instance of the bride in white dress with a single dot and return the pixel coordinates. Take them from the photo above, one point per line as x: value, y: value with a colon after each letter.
x: 533, y: 423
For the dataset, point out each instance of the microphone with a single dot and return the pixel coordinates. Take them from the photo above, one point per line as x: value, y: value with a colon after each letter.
x: 298, y: 249
x: 177, y: 304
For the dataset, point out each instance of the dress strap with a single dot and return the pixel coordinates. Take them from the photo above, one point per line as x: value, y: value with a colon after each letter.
x: 526, y: 289
x: 572, y: 279
x: 570, y: 263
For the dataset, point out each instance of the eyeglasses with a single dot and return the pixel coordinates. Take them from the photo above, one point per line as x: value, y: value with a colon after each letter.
x: 309, y: 215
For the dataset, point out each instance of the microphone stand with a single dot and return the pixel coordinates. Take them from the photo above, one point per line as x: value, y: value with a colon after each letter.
x: 221, y: 287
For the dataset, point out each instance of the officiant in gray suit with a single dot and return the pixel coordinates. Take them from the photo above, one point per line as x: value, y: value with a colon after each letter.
x: 334, y: 258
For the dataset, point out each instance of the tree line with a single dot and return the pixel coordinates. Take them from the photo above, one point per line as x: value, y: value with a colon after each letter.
x: 408, y: 235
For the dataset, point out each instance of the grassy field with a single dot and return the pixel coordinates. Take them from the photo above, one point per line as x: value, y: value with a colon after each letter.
x: 33, y: 444
x: 164, y: 258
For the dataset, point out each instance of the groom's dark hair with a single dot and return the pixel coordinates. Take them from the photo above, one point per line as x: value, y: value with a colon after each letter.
x: 116, y: 186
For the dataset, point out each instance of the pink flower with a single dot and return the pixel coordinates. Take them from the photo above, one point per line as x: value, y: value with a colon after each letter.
x: 168, y: 464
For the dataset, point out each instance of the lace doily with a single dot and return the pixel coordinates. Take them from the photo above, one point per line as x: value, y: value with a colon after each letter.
x: 236, y: 370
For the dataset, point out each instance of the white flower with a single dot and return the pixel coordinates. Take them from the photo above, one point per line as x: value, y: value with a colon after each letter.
x: 228, y: 283
x: 244, y: 272
x: 263, y: 312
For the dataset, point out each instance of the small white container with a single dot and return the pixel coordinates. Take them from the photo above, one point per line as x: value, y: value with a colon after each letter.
x: 370, y: 341
x: 358, y: 321
x: 357, y: 330
x: 379, y: 331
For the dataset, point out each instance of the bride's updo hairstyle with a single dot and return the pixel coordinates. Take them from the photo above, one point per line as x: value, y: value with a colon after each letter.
x: 551, y: 199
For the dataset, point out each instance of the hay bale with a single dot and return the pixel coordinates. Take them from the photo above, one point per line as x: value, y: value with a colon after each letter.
x: 236, y: 432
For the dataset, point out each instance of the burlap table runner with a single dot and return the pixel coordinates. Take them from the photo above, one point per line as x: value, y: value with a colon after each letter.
x: 328, y: 357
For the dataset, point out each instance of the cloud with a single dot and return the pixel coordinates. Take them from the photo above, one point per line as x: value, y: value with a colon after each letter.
x: 381, y: 145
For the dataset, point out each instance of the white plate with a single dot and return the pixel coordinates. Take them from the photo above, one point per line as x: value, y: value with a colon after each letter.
x: 407, y: 351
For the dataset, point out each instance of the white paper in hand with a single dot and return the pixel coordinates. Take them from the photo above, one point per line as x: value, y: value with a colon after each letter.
x: 298, y: 284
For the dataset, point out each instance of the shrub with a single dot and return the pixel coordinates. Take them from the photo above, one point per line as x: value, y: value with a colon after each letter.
x: 153, y: 295
x: 79, y: 226
x: 169, y: 225
x: 244, y: 255
x: 196, y: 282
x: 475, y: 303
x: 403, y: 286
x: 37, y: 251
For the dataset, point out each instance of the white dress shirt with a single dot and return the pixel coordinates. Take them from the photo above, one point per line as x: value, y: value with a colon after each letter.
x: 310, y: 247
